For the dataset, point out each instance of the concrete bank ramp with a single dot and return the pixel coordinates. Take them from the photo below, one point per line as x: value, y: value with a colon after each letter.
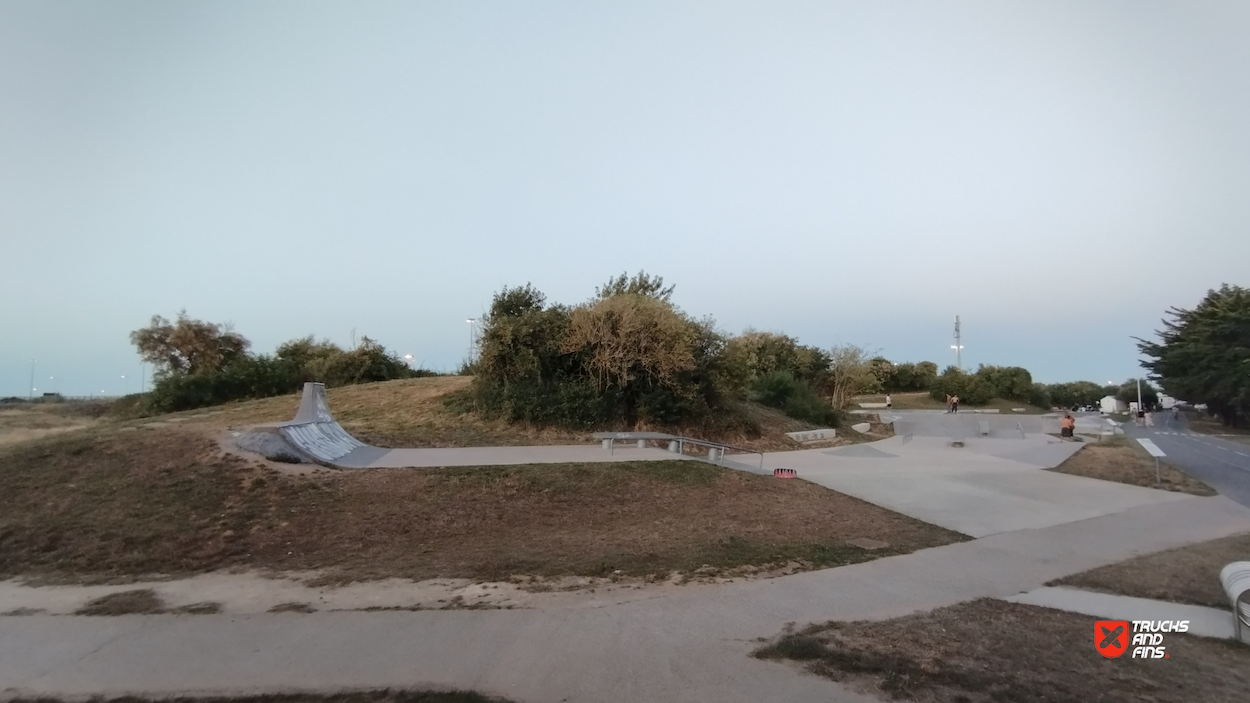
x: 862, y: 451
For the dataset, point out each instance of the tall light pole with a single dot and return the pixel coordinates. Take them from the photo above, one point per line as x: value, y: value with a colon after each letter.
x: 125, y: 386
x: 958, y: 347
x: 408, y: 358
x: 31, y: 394
x: 472, y: 322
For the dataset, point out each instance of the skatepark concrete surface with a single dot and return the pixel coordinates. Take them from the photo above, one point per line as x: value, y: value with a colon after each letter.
x: 986, y: 487
x: 1203, y: 622
x: 689, y: 646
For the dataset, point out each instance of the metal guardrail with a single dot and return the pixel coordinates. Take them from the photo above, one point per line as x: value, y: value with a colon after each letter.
x: 718, y: 447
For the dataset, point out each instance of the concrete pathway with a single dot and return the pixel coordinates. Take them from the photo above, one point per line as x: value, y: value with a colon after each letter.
x: 1203, y: 622
x: 500, y: 456
x: 691, y: 646
x: 987, y: 487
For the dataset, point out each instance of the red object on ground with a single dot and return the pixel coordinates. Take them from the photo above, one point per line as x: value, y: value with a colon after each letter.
x: 785, y: 473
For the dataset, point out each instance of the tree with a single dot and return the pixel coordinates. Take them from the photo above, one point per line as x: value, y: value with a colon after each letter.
x: 187, y: 346
x: 1203, y: 355
x: 850, y: 374
x: 640, y: 284
x: 1127, y: 392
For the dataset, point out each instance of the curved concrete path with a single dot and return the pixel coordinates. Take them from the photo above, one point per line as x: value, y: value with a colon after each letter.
x: 693, y: 646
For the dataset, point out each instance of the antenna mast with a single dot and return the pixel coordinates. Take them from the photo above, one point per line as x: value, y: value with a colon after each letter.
x: 958, y: 347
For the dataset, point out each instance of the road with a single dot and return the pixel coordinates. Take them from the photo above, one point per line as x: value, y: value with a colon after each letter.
x: 1218, y: 462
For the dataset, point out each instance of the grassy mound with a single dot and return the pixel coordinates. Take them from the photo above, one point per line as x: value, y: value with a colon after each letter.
x: 428, y: 412
x: 115, y: 503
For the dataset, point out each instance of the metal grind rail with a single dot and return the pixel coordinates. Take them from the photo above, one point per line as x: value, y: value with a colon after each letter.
x: 676, y: 444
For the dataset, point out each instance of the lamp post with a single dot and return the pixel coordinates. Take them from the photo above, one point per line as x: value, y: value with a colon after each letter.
x: 125, y: 385
x: 408, y: 358
x: 31, y: 394
x: 472, y: 323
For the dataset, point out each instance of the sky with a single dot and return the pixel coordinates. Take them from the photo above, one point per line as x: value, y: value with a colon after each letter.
x: 1055, y: 173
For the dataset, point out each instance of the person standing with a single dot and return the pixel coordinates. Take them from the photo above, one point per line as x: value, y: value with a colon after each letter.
x: 948, y: 402
x: 889, y: 402
x: 954, y: 403
x: 1066, y: 426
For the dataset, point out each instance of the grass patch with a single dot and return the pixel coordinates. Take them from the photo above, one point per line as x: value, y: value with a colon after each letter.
x: 381, y: 696
x: 143, y: 601
x: 116, y: 506
x: 1122, y: 460
x: 1208, y: 424
x: 1188, y: 574
x: 989, y: 650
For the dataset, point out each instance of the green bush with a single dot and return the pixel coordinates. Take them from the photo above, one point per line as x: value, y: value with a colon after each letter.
x: 797, y: 399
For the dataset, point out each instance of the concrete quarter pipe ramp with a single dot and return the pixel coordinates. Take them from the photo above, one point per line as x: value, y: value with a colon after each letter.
x: 315, y: 433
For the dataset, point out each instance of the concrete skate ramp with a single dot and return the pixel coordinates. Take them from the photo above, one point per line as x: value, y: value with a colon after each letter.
x: 961, y: 425
x: 862, y: 451
x: 315, y: 433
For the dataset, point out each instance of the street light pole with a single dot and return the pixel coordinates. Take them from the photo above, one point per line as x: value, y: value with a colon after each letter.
x: 472, y: 321
x: 30, y: 395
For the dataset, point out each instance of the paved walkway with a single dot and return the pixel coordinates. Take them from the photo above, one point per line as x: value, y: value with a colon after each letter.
x: 987, y: 487
x: 1204, y: 622
x: 692, y: 646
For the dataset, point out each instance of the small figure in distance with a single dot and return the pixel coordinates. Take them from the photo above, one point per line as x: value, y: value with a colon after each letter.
x: 948, y: 402
x: 1066, y: 425
x: 954, y: 403
x: 889, y: 402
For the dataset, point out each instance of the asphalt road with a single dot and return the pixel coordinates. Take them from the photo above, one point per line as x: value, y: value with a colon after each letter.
x: 1222, y: 464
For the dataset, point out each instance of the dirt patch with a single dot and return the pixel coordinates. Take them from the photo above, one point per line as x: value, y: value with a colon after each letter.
x: 143, y: 601
x: 385, y: 696
x: 119, y: 506
x: 1120, y: 460
x: 293, y: 608
x: 1185, y: 575
x: 989, y: 650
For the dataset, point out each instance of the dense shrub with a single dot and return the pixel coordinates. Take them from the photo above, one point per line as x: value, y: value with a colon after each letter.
x: 794, y: 397
x: 628, y: 356
x: 245, y: 377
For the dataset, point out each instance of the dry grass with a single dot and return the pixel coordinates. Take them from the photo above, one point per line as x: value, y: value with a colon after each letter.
x: 377, y: 696
x: 422, y: 412
x: 22, y: 422
x: 989, y: 650
x: 162, y: 500
x: 1186, y: 575
x: 1124, y: 461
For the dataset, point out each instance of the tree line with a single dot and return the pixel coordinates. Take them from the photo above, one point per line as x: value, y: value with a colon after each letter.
x: 197, y: 363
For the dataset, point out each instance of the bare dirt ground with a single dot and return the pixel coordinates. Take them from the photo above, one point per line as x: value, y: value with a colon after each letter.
x: 989, y: 650
x: 1122, y: 461
x: 1185, y: 575
x: 111, y: 504
x: 924, y: 401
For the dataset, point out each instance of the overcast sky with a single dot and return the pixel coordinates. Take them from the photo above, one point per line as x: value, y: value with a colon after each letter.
x: 1056, y: 173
